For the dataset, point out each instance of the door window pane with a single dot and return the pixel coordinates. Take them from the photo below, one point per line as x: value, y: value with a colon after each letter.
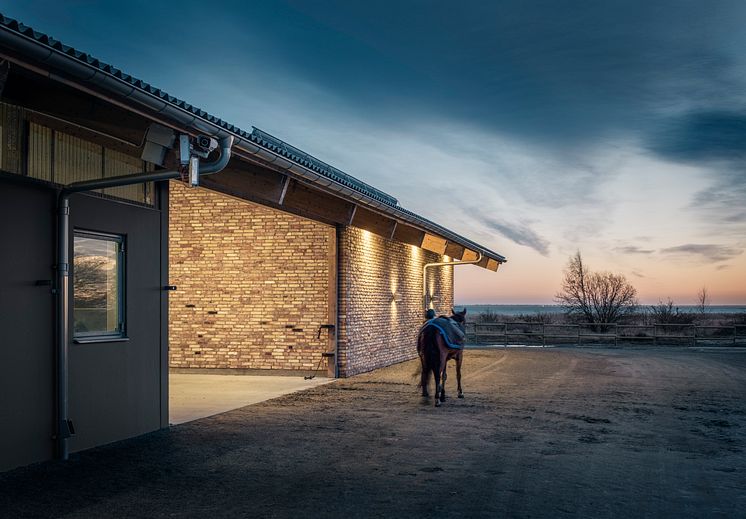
x: 98, y: 267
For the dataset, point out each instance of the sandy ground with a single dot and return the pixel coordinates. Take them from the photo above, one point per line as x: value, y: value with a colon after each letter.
x: 541, y: 433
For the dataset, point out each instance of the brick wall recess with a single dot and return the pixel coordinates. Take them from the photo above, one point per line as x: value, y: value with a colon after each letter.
x: 253, y: 284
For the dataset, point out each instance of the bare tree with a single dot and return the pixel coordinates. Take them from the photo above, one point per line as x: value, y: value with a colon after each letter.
x: 669, y: 313
x: 703, y: 300
x: 598, y: 297
x: 90, y: 281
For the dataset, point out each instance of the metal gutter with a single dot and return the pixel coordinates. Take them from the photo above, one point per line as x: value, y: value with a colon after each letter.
x: 94, y: 76
x: 442, y: 264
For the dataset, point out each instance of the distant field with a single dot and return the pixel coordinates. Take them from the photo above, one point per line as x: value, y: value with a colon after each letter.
x: 513, y: 310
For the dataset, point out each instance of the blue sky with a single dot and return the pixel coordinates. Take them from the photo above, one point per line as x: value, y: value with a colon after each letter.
x: 534, y: 127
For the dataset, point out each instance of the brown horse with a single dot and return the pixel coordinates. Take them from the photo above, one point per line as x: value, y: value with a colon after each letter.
x: 435, y: 354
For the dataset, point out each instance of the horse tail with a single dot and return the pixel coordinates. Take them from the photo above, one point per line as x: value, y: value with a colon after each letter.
x: 430, y: 353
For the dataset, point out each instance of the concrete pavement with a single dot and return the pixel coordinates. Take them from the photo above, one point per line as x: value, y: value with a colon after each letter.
x: 198, y: 396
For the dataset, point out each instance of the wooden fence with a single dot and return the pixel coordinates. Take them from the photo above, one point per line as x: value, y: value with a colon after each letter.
x: 535, y: 334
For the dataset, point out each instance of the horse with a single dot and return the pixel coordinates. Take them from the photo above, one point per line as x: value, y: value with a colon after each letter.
x: 434, y: 355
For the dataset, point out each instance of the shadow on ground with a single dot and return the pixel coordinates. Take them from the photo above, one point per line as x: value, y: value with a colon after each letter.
x: 541, y: 433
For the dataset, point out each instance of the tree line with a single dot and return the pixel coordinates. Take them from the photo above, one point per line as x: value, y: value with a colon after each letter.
x: 605, y: 297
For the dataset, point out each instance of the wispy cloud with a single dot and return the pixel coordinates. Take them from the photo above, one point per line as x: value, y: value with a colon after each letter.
x: 520, y: 234
x: 710, y: 252
x: 633, y: 249
x: 737, y: 217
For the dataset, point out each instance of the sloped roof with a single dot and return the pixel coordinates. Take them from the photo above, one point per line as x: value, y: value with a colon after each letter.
x: 85, y: 67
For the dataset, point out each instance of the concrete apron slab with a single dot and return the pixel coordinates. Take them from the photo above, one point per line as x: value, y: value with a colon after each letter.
x: 198, y: 396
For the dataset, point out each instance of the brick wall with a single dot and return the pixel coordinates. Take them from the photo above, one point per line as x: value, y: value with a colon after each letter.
x: 253, y: 284
x: 375, y: 330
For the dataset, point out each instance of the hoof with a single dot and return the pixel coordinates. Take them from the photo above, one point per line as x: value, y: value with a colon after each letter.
x: 425, y: 394
x: 437, y: 403
x: 461, y: 395
x: 443, y: 398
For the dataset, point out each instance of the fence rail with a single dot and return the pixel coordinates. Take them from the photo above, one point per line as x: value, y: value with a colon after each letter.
x: 604, y: 333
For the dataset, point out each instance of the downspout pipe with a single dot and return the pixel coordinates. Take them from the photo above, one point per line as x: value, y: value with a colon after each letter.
x: 64, y: 427
x: 442, y: 264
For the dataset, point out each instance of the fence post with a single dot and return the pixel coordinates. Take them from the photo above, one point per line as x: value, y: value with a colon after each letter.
x: 655, y: 335
x: 616, y: 334
x: 580, y: 339
x: 505, y: 334
x: 544, y: 335
x: 694, y: 338
x: 735, y: 329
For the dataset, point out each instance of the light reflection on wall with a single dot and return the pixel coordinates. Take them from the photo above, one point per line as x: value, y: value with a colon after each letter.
x: 382, y: 299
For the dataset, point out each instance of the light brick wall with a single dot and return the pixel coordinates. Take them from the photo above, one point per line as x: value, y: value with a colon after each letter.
x: 253, y: 284
x: 376, y: 331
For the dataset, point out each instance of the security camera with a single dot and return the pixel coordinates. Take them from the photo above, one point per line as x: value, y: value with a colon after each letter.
x: 204, y: 145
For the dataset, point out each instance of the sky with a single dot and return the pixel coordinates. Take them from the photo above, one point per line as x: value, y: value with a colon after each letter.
x: 535, y: 128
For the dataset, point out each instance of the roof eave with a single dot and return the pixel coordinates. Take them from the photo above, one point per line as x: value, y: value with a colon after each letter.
x: 83, y: 68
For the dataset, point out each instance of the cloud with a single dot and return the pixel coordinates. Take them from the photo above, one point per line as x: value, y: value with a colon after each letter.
x: 638, y: 274
x: 714, y: 253
x: 711, y: 136
x: 633, y: 249
x: 549, y: 73
x: 715, y: 141
x: 722, y: 202
x: 520, y: 234
x: 737, y: 217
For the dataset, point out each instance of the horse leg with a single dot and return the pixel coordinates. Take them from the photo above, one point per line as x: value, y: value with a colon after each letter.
x: 442, y: 371
x: 459, y: 360
x: 436, y: 376
x: 423, y: 362
x: 444, y: 378
x: 424, y: 376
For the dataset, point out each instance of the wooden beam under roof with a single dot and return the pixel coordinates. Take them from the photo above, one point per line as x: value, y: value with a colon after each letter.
x: 408, y: 234
x: 434, y: 243
x: 374, y: 222
x: 492, y: 265
x: 247, y: 181
x: 454, y: 250
x: 317, y: 204
x: 483, y: 262
x: 469, y: 255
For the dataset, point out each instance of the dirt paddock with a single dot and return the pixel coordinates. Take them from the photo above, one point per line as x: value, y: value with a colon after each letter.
x: 541, y: 433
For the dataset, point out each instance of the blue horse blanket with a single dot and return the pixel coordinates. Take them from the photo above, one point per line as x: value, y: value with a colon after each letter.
x: 449, y: 330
